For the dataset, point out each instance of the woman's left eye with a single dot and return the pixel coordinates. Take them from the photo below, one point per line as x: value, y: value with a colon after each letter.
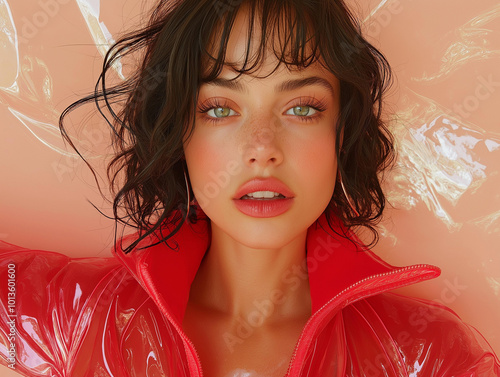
x: 302, y: 111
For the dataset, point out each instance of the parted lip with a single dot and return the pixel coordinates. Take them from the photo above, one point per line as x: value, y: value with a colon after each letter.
x: 264, y: 184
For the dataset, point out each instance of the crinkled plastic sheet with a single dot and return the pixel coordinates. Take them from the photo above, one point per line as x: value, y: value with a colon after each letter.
x: 444, y: 106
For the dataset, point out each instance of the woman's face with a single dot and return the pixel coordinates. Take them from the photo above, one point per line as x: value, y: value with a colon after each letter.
x: 280, y: 127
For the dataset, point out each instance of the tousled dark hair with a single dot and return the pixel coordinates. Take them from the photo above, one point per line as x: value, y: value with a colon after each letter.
x: 157, y: 103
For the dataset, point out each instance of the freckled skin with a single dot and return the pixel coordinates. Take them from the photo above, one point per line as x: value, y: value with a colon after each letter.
x: 263, y: 142
x: 260, y: 132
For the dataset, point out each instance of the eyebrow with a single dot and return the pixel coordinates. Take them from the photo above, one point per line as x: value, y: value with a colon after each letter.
x: 285, y: 86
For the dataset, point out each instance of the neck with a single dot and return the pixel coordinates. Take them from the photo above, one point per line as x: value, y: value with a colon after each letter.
x: 236, y: 280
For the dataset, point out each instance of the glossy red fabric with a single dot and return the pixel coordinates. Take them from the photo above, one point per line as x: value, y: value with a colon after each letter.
x: 122, y: 316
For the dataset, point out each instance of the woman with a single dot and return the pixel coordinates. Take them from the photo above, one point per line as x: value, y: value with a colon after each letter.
x: 249, y: 144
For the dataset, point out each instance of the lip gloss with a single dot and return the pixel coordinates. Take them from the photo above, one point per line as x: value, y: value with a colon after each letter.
x: 263, y: 207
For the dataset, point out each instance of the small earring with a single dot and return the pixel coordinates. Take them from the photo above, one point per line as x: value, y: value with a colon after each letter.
x: 188, y: 194
x: 353, y: 209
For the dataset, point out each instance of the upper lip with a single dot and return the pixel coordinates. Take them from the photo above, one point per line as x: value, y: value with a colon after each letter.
x: 263, y: 184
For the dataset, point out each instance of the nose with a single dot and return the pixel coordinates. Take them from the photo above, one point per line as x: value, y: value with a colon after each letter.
x: 261, y: 144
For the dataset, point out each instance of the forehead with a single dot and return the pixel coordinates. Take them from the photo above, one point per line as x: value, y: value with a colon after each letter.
x: 258, y: 44
x: 281, y: 80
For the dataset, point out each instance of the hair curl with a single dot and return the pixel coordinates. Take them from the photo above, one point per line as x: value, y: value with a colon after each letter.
x: 159, y: 99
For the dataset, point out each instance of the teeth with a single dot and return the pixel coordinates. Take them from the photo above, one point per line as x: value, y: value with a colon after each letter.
x: 263, y: 194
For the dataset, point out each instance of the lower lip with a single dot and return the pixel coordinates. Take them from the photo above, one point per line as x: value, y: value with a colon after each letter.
x: 263, y: 207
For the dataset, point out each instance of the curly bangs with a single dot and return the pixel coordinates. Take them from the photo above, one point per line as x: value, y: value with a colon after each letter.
x: 184, y: 45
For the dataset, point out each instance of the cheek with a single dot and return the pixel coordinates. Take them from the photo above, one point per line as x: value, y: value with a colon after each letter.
x: 207, y: 159
x: 317, y: 161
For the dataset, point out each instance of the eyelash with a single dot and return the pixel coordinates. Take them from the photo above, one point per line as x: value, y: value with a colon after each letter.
x: 215, y: 103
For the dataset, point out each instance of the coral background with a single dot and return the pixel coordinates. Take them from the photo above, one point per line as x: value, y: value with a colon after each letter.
x: 443, y: 109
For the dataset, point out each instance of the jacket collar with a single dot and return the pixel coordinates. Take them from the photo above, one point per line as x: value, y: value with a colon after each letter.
x: 333, y: 264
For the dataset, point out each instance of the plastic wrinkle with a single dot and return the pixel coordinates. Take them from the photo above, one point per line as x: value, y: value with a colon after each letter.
x: 438, y: 161
x: 473, y: 44
x: 103, y: 39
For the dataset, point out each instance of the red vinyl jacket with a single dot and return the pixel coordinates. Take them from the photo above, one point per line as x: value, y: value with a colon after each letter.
x: 122, y: 316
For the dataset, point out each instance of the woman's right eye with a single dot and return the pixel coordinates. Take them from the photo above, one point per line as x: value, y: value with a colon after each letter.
x: 220, y: 112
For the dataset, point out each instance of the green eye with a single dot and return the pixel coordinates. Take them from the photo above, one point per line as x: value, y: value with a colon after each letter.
x: 220, y: 112
x: 301, y: 111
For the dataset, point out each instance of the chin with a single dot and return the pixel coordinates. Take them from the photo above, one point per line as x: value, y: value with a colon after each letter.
x: 266, y: 233
x: 264, y: 242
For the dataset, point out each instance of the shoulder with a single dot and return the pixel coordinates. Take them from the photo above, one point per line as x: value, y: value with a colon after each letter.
x: 56, y: 305
x: 427, y: 335
x: 44, y: 280
x: 39, y: 270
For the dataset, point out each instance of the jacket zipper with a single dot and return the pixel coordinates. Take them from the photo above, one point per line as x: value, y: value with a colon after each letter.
x: 383, y: 288
x: 196, y: 362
